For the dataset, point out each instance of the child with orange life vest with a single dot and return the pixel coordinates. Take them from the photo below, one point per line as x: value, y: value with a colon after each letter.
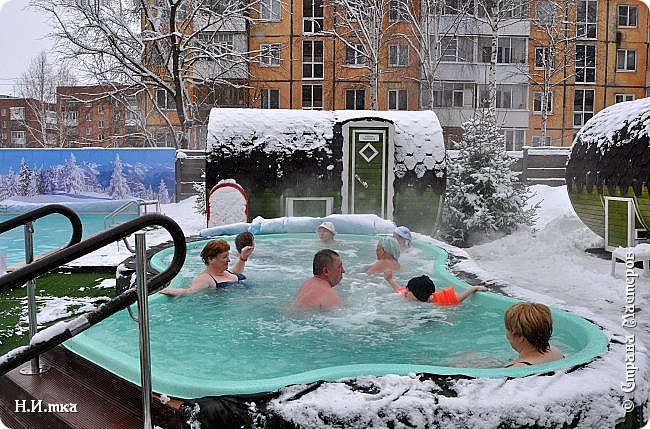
x: 422, y: 289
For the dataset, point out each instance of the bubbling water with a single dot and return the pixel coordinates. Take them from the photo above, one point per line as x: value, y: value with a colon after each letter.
x: 251, y: 330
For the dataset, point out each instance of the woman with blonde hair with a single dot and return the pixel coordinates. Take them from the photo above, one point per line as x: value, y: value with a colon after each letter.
x: 528, y: 329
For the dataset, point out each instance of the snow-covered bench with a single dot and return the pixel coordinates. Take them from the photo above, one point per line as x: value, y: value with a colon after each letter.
x: 641, y: 252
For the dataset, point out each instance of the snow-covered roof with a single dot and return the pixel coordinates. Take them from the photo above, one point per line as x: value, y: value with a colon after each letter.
x: 603, y: 126
x: 418, y: 134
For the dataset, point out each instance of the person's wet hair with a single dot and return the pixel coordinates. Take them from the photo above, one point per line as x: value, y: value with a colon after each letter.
x: 421, y: 287
x: 532, y: 321
x: 323, y: 258
x: 213, y: 248
x: 243, y: 239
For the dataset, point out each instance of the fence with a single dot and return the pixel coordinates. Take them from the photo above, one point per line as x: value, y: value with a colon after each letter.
x: 546, y: 165
x: 542, y: 166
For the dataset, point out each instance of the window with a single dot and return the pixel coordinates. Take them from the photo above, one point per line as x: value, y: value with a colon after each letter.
x: 88, y: 104
x: 18, y: 137
x: 88, y: 117
x: 100, y: 109
x: 626, y: 15
x: 312, y: 59
x: 456, y: 49
x: 270, y: 98
x: 585, y: 64
x: 270, y: 55
x: 625, y: 60
x: 312, y: 97
x: 270, y: 10
x: 545, y: 13
x: 398, y: 55
x: 507, y: 96
x: 543, y: 59
x: 587, y: 12
x: 100, y: 137
x: 453, y: 94
x: 89, y: 131
x: 514, y: 9
x: 222, y: 43
x: 50, y: 117
x: 514, y: 138
x: 398, y: 10
x: 355, y: 99
x: 100, y: 124
x: 538, y: 102
x: 17, y: 113
x: 3, y: 112
x: 397, y: 99
x: 312, y: 16
x: 69, y: 117
x: 583, y: 106
x: 116, y: 116
x: 458, y: 7
x: 620, y: 98
x: 164, y: 100
x: 537, y: 141
x: 354, y: 55
x: 511, y: 50
x: 4, y: 124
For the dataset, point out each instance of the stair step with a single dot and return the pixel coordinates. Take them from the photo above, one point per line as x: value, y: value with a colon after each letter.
x: 102, y: 400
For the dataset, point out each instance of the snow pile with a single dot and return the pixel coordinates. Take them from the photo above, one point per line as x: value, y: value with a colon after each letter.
x: 227, y: 204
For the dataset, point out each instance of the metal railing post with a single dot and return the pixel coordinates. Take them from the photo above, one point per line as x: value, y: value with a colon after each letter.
x: 143, y: 324
x: 34, y: 366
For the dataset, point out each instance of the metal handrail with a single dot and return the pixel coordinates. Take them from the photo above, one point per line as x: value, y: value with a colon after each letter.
x: 79, y: 324
x: 26, y: 220
x: 40, y: 212
x: 111, y: 217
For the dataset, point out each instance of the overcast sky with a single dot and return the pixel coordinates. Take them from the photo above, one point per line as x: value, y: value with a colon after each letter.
x: 22, y: 37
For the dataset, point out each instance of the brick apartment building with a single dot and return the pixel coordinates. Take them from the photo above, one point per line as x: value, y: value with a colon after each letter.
x: 605, y: 62
x: 98, y: 116
x: 27, y: 123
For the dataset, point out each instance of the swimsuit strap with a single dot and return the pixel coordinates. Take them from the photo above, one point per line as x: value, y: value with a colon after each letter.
x: 523, y: 361
x: 216, y: 283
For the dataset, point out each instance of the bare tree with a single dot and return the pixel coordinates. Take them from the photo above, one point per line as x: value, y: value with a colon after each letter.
x: 37, y: 85
x: 435, y: 25
x: 159, y: 50
x: 497, y: 15
x: 366, y: 27
x: 554, y: 36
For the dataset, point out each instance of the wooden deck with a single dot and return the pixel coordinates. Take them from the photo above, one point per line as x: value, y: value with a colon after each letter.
x: 86, y: 396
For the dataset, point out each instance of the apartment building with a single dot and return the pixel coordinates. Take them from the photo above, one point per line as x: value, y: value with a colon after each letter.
x: 97, y: 116
x: 27, y: 123
x: 603, y: 61
x: 461, y: 87
x: 301, y: 59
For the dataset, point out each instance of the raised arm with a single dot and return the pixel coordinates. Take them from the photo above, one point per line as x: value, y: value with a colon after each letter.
x: 388, y: 276
x: 464, y: 294
x: 241, y: 261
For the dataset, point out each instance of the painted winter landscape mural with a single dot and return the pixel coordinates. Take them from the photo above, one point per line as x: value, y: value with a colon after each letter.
x: 39, y: 175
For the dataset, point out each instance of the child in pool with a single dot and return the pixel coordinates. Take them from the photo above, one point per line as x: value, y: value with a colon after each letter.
x: 422, y: 289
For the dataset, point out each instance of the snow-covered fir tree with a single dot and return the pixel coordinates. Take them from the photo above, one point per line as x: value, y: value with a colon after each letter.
x: 74, y: 176
x: 484, y: 196
x: 163, y: 194
x: 33, y: 182
x: 43, y: 183
x: 24, y: 179
x: 118, y: 189
x: 11, y: 183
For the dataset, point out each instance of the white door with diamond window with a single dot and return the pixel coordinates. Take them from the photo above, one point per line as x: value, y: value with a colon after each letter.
x: 368, y: 173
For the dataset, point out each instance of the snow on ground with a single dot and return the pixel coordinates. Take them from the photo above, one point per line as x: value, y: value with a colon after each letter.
x: 546, y: 264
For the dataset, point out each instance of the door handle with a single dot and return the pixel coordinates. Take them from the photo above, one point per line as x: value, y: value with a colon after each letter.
x: 364, y: 184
